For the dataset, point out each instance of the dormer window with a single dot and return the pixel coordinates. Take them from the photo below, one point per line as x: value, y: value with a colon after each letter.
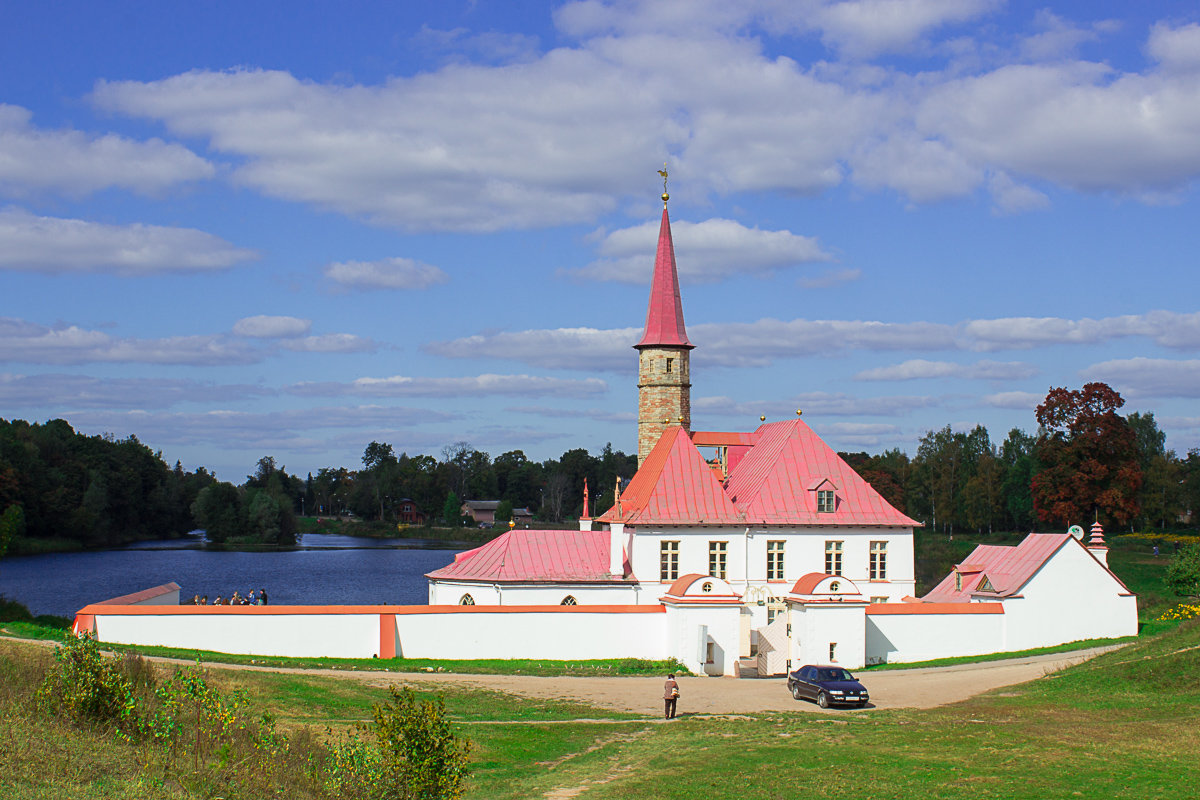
x: 957, y: 581
x: 985, y: 585
x: 825, y: 501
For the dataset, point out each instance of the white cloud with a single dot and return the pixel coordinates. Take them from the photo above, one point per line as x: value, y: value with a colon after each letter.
x: 562, y: 348
x: 1166, y: 328
x: 55, y: 245
x: 75, y: 163
x: 264, y: 326
x: 331, y: 343
x: 475, y: 386
x: 831, y: 278
x: 869, y: 27
x: 1059, y: 38
x: 1011, y: 197
x: 388, y: 273
x: 22, y: 341
x: 71, y: 392
x: 814, y: 405
x: 1148, y: 377
x: 1175, y: 48
x: 707, y: 251
x: 1020, y: 401
x: 919, y: 369
x: 598, y: 414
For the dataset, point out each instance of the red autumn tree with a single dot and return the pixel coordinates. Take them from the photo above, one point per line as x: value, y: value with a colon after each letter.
x: 1089, y: 457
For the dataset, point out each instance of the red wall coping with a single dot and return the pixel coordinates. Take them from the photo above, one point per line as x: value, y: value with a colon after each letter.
x: 886, y: 609
x: 140, y: 597
x: 100, y: 609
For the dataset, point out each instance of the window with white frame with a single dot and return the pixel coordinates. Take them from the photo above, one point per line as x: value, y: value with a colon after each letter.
x: 877, y: 570
x: 833, y: 558
x: 718, y: 558
x: 825, y: 501
x: 669, y: 561
x: 775, y: 561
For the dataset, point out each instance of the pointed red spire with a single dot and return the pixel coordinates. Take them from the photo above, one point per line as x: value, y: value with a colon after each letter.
x: 585, y: 515
x: 664, y: 317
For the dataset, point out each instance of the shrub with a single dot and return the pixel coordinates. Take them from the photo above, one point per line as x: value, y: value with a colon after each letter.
x: 86, y: 686
x: 408, y: 753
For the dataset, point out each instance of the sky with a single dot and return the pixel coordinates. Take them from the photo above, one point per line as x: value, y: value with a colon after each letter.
x: 290, y: 229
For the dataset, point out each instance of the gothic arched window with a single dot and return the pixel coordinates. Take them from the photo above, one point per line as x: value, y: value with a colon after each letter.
x: 569, y: 600
x: 466, y: 600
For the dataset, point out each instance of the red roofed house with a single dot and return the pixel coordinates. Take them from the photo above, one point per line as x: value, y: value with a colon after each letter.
x: 757, y: 510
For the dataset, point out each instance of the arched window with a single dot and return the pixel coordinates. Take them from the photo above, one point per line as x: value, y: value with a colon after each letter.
x: 835, y: 587
x: 569, y: 600
x: 466, y: 600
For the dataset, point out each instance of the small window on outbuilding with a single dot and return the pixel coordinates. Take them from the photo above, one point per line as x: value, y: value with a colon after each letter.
x: 569, y: 600
x: 466, y: 600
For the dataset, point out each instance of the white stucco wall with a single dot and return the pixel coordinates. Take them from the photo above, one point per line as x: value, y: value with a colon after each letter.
x: 907, y: 637
x: 492, y: 594
x: 1070, y: 598
x: 804, y: 552
x: 815, y: 626
x: 690, y: 629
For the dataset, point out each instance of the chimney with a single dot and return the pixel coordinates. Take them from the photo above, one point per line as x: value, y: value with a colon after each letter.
x: 1096, y: 544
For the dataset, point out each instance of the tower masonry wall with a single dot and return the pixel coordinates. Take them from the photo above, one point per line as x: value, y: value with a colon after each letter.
x: 664, y: 394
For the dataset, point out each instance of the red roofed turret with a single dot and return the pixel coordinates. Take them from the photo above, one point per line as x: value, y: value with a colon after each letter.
x: 664, y: 316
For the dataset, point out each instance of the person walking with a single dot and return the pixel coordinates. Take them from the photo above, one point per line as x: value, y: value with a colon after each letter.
x: 670, y: 697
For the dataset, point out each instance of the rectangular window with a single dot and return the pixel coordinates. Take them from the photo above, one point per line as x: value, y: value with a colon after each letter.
x: 833, y: 652
x: 957, y: 581
x: 774, y: 561
x: 669, y: 565
x: 825, y: 501
x: 773, y: 613
x: 879, y: 599
x: 833, y: 558
x: 878, y: 565
x: 670, y: 365
x: 718, y: 557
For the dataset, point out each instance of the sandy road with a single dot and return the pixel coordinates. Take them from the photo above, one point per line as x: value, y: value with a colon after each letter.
x: 911, y: 688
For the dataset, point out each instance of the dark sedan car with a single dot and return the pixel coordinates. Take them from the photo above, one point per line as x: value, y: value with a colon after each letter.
x: 827, y: 686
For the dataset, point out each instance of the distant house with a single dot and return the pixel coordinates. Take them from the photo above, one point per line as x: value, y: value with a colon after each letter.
x: 480, y: 510
x: 522, y: 516
x: 408, y: 513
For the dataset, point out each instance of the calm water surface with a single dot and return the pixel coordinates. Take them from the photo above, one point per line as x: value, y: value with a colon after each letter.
x: 325, y: 569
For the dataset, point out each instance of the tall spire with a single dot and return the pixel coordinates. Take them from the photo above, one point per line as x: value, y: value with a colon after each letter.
x: 664, y: 317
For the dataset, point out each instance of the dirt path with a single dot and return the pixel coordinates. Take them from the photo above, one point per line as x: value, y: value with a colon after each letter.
x: 912, y: 688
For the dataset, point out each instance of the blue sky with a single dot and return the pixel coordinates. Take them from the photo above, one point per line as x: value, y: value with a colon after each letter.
x: 248, y: 229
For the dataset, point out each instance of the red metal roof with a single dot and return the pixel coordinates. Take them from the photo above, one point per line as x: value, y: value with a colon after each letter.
x: 1006, y: 568
x: 768, y: 485
x: 664, y: 316
x: 674, y: 485
x: 533, y: 556
x: 771, y: 482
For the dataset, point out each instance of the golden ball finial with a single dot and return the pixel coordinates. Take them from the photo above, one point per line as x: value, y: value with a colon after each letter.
x: 799, y: 412
x: 665, y: 197
x: 663, y: 172
x: 763, y: 418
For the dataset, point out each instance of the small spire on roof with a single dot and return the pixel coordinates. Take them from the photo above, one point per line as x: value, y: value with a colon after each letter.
x: 1097, y: 539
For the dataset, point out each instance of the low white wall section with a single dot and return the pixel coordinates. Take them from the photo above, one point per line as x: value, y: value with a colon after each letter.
x: 817, y: 626
x: 444, y: 593
x: 907, y: 632
x: 451, y: 632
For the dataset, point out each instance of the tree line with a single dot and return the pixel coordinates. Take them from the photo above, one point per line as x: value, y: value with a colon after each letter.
x: 1085, y: 461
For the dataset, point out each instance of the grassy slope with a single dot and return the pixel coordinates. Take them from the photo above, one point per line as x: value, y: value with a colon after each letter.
x: 1120, y: 726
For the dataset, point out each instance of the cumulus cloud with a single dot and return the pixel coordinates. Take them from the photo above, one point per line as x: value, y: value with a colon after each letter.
x: 1165, y: 328
x: 474, y: 386
x: 562, y: 348
x: 814, y: 405
x: 707, y: 251
x: 54, y: 245
x: 263, y: 326
x: 568, y: 137
x: 1175, y: 48
x: 918, y: 369
x: 1149, y: 377
x: 33, y: 160
x: 1020, y: 401
x: 388, y: 273
x: 331, y: 343
x: 28, y: 342
x: 70, y: 392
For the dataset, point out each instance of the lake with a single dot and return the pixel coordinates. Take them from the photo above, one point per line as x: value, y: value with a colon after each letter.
x: 323, y: 569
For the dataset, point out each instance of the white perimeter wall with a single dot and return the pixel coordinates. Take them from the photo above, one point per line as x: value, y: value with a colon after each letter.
x: 1070, y: 598
x: 816, y: 626
x: 429, y: 633
x: 490, y: 594
x: 903, y: 638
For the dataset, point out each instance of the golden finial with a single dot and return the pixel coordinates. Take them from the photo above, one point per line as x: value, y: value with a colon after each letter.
x: 762, y: 418
x: 799, y: 412
x: 663, y: 172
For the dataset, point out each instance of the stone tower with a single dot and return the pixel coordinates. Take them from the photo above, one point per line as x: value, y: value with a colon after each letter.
x: 664, y: 372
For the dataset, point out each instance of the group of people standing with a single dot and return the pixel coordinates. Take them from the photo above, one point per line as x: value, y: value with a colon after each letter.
x: 234, y: 599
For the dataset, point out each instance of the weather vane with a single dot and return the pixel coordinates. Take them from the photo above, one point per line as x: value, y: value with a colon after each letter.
x: 663, y: 172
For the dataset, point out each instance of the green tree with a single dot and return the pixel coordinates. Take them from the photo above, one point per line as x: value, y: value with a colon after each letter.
x: 1017, y: 454
x: 12, y: 525
x: 218, y: 511
x: 504, y: 511
x: 452, y: 510
x: 1183, y: 571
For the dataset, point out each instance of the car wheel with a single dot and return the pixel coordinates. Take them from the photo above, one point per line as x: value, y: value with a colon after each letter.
x: 796, y: 692
x: 823, y: 700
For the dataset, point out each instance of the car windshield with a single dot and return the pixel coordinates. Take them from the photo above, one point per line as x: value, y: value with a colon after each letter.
x: 835, y: 675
